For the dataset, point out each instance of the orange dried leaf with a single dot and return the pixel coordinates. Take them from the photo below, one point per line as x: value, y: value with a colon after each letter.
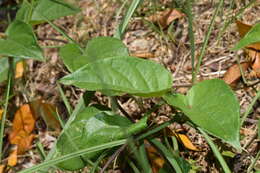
x: 12, y: 158
x: 143, y: 55
x: 256, y: 65
x: 47, y: 112
x: 2, y: 168
x: 23, y: 125
x: 155, y: 159
x: 19, y: 69
x: 166, y: 17
x: 186, y: 142
x: 233, y: 73
x: 1, y: 113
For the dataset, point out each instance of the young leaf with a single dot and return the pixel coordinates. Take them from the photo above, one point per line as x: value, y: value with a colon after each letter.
x: 24, y: 13
x: 92, y: 127
x: 251, y: 37
x: 213, y: 106
x: 21, y: 42
x: 122, y: 74
x: 52, y: 9
x: 97, y: 48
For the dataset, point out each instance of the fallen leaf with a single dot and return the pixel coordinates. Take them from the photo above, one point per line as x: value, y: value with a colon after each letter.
x: 23, y: 126
x: 252, y: 50
x: 12, y: 158
x: 1, y: 113
x: 182, y: 138
x: 154, y: 157
x: 233, y: 73
x: 19, y: 69
x: 143, y: 55
x: 2, y: 167
x: 187, y: 142
x: 166, y: 17
x: 47, y: 112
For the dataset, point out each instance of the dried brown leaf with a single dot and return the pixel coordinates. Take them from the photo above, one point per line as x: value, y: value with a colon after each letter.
x: 233, y: 73
x: 1, y: 113
x: 47, y: 112
x: 2, y: 167
x: 166, y: 17
x: 143, y: 55
x: 12, y: 158
x: 19, y: 69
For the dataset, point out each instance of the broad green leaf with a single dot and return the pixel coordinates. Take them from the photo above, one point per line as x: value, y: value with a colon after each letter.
x: 52, y: 9
x: 213, y: 106
x: 105, y: 47
x: 25, y: 12
x: 97, y: 48
x: 92, y: 127
x: 253, y: 36
x: 72, y: 57
x: 122, y: 74
x: 21, y: 42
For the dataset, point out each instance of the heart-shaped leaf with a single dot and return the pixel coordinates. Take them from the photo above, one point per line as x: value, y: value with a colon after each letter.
x: 21, y: 42
x: 253, y: 36
x: 213, y: 106
x: 122, y: 74
x: 92, y: 127
x: 97, y: 48
x: 52, y: 9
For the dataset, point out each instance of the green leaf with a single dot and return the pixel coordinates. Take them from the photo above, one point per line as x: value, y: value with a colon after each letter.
x: 122, y: 74
x: 213, y: 106
x: 92, y: 127
x: 52, y: 9
x: 72, y: 57
x: 258, y: 127
x: 25, y: 12
x: 97, y: 48
x: 105, y: 47
x: 21, y: 42
x: 253, y: 36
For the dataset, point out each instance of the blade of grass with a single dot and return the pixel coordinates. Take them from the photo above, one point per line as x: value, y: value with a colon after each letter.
x: 10, y: 74
x: 249, y: 108
x: 97, y: 162
x: 215, y: 151
x: 251, y: 166
x: 144, y: 160
x: 64, y: 99
x: 189, y: 14
x: 122, y: 26
x: 132, y: 165
x: 167, y: 154
x: 205, y: 42
x: 55, y: 161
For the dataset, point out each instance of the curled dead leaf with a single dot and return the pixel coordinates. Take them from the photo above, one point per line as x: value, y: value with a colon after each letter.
x: 187, y: 142
x: 12, y: 158
x: 233, y: 73
x: 19, y: 69
x: 47, y: 112
x: 2, y: 167
x: 1, y: 113
x: 23, y: 126
x: 143, y: 55
x: 166, y: 17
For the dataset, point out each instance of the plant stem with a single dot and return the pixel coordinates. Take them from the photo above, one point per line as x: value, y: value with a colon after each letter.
x: 215, y: 151
x: 188, y: 11
x: 205, y: 42
x: 249, y: 108
x: 5, y: 110
x: 251, y: 166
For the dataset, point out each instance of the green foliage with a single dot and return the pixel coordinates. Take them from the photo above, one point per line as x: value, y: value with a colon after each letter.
x: 252, y: 36
x: 97, y: 48
x: 90, y: 128
x: 21, y: 42
x: 212, y: 106
x: 122, y: 74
